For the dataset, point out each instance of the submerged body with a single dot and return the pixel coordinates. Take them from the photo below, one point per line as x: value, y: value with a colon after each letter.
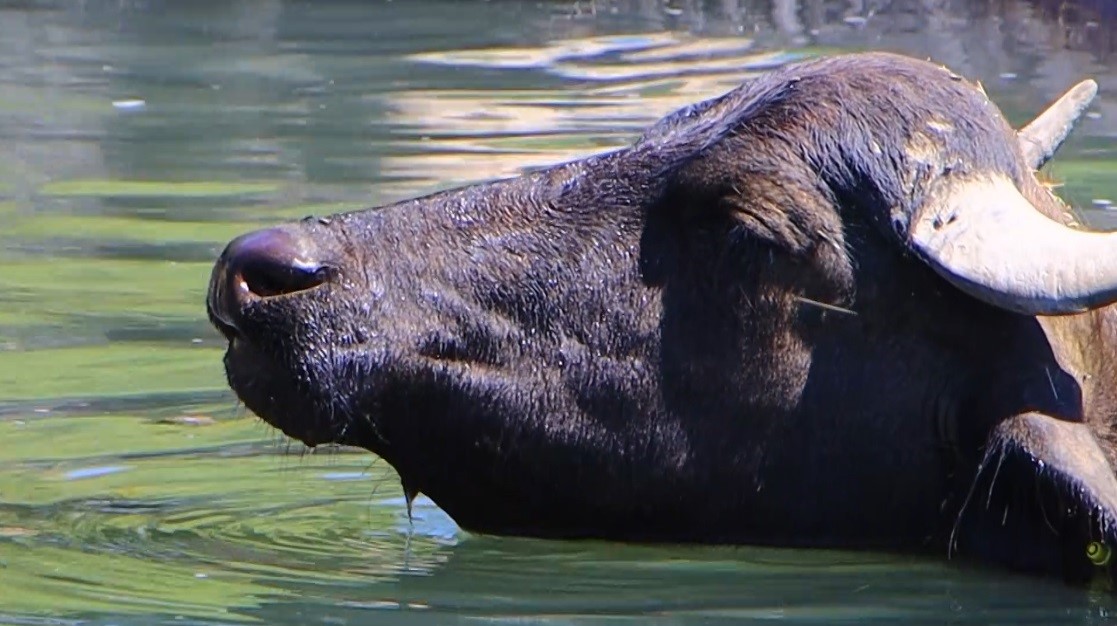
x: 767, y: 321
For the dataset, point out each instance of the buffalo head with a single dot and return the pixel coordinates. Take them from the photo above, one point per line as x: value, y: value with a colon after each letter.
x: 832, y: 307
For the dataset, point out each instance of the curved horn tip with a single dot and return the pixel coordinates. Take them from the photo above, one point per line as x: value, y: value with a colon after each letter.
x: 1042, y: 137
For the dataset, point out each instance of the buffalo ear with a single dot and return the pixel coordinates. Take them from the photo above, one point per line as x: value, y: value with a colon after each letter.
x: 1044, y: 501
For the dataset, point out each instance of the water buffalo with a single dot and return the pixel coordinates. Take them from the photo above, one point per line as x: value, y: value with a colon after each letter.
x: 832, y: 307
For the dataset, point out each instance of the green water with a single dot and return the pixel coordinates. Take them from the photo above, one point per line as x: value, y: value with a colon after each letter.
x: 136, y: 138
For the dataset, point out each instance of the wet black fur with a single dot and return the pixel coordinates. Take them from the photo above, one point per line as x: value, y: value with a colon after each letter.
x: 714, y: 335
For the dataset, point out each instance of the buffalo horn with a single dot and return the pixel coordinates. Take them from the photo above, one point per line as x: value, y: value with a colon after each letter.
x: 1042, y: 137
x: 986, y: 239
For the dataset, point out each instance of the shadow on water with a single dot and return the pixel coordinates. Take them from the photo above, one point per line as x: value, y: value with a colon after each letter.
x: 137, y: 137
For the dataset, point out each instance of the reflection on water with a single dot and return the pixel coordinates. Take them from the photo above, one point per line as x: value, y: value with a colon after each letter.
x: 138, y: 137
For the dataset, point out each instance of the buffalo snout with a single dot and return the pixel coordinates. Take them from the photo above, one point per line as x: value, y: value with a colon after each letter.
x: 266, y: 295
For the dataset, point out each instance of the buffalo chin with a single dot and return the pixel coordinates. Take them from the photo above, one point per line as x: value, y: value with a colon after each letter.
x: 275, y: 395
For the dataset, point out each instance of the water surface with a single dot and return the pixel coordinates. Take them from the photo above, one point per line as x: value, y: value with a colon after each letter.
x: 137, y: 137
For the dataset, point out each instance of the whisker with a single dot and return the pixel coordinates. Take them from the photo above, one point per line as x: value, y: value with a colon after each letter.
x: 993, y: 482
x: 996, y: 448
x: 823, y: 305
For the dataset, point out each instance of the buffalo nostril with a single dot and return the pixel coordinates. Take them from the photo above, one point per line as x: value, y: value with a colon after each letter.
x: 274, y: 262
x: 264, y: 279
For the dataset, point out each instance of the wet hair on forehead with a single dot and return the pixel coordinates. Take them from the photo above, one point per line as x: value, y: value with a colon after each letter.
x: 874, y: 129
